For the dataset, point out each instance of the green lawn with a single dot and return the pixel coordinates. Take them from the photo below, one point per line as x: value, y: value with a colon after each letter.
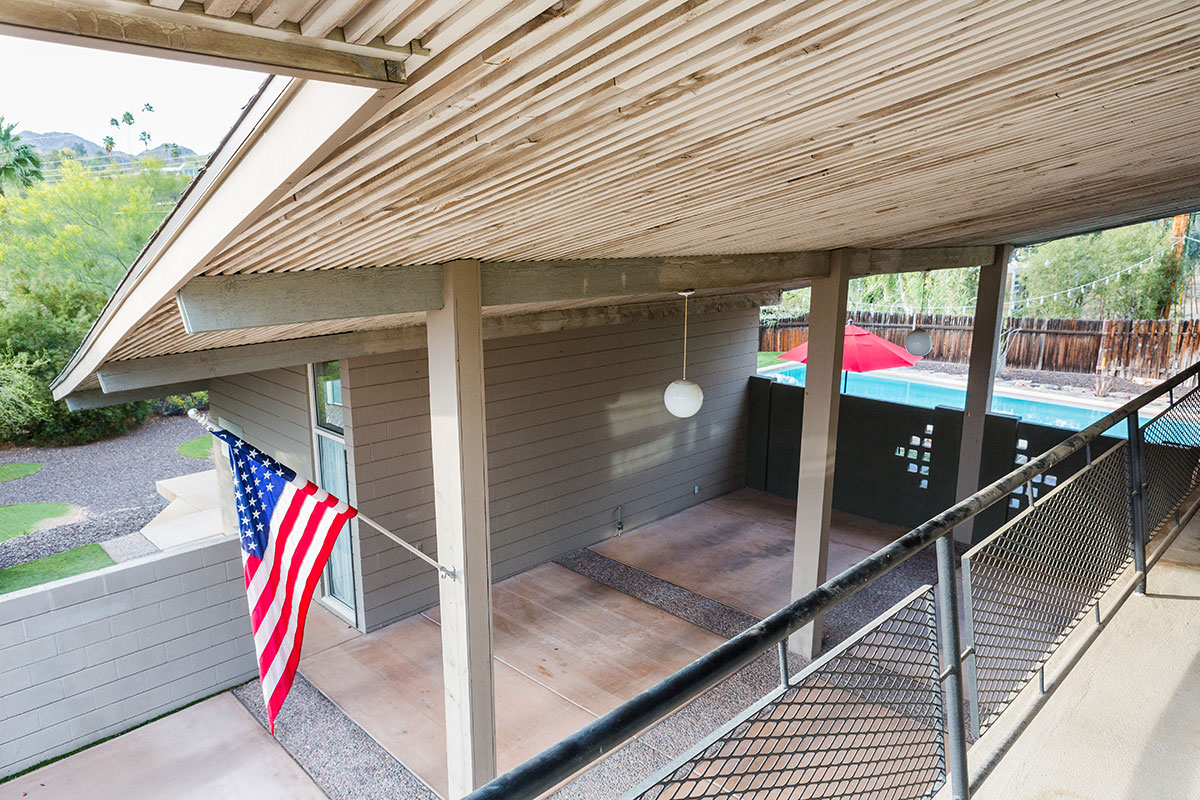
x: 200, y: 447
x: 768, y: 359
x: 51, y: 568
x: 21, y: 518
x: 10, y: 472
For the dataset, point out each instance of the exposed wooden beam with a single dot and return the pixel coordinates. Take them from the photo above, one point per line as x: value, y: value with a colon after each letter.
x: 232, y: 302
x: 189, y: 34
x: 255, y: 301
x: 146, y: 373
x: 97, y: 398
x: 511, y: 282
x: 920, y: 259
x: 141, y: 373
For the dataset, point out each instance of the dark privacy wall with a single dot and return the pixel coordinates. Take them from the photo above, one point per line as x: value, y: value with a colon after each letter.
x: 895, y: 463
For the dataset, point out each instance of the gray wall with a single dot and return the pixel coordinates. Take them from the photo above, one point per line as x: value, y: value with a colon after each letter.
x: 272, y: 408
x: 91, y: 656
x: 576, y: 427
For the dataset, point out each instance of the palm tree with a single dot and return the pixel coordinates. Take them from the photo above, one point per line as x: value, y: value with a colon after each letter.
x: 20, y: 164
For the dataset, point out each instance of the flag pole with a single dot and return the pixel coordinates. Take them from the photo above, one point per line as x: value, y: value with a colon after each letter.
x: 446, y: 572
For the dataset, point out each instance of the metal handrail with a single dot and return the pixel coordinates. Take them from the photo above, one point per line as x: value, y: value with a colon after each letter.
x: 588, y: 744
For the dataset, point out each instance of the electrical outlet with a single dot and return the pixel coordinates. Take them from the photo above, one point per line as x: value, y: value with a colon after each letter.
x: 696, y: 489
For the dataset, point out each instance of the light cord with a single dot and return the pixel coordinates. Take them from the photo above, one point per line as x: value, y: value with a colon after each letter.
x: 685, y: 315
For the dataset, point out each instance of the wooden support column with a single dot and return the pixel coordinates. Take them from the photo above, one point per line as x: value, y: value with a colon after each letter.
x: 981, y: 376
x: 818, y: 440
x: 456, y: 405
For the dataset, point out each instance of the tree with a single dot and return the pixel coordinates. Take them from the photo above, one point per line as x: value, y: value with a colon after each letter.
x: 63, y: 248
x: 88, y: 226
x: 20, y: 165
x: 109, y: 144
x: 1118, y: 273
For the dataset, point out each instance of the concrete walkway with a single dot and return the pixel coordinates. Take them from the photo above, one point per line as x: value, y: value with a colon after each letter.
x: 213, y: 750
x: 1124, y: 724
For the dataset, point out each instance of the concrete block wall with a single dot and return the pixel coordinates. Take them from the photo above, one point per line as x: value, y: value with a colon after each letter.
x: 91, y: 656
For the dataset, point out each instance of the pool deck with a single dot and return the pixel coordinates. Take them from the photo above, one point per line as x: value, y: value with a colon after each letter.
x: 1006, y: 388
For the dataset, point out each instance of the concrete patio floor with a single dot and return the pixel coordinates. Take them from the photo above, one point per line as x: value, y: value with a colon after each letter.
x: 569, y: 648
x: 213, y: 750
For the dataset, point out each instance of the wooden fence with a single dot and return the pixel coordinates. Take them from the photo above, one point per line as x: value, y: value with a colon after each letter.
x: 1151, y: 349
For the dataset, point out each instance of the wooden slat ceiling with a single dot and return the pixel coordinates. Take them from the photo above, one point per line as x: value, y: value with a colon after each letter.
x: 624, y: 128
x: 603, y: 129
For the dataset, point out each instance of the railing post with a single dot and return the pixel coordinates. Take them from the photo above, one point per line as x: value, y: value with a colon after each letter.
x: 1137, y: 496
x: 972, y: 676
x: 948, y: 645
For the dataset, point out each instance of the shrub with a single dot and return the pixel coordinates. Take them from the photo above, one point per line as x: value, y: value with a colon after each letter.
x: 42, y: 322
x: 22, y: 396
x: 179, y: 404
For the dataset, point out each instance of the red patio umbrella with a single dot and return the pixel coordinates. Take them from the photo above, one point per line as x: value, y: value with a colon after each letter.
x: 863, y: 352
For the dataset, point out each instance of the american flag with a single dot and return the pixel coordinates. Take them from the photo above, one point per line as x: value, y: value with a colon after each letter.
x: 288, y: 526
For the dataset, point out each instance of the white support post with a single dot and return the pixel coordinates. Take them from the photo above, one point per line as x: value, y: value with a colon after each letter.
x: 456, y: 405
x: 818, y: 440
x: 981, y: 376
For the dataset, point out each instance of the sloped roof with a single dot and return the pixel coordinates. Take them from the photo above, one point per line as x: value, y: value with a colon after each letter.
x: 627, y: 128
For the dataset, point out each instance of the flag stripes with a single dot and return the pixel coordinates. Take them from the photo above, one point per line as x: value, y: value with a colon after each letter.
x: 288, y: 528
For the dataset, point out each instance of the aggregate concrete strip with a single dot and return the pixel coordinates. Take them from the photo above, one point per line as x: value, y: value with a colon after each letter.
x: 697, y: 609
x: 339, y: 755
x: 654, y: 748
x: 102, y: 528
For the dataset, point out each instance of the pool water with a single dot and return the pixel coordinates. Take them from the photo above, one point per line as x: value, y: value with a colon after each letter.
x: 894, y: 389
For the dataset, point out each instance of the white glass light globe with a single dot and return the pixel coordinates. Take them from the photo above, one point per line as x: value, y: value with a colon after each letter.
x: 918, y: 342
x: 683, y: 398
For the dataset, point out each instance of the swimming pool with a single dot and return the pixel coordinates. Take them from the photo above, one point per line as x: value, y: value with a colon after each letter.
x: 894, y: 389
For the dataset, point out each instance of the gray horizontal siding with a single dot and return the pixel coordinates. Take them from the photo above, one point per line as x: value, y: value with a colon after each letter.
x: 576, y: 428
x: 272, y: 408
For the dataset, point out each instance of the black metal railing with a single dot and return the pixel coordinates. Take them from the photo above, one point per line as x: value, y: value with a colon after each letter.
x: 1025, y: 588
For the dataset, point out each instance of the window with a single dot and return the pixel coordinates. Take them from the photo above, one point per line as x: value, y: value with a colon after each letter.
x: 329, y: 445
x: 327, y: 377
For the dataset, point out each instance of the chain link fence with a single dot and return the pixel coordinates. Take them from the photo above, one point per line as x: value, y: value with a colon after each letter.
x: 864, y: 720
x: 1172, y: 459
x: 1027, y: 585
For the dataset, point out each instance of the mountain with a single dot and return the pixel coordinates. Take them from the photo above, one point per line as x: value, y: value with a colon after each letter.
x: 52, y: 142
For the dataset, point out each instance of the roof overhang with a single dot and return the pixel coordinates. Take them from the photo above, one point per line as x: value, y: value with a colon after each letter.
x: 599, y: 142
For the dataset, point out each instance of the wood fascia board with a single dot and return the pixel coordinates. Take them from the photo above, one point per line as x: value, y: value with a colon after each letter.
x: 233, y: 302
x: 291, y: 127
x: 146, y: 373
x: 188, y: 34
x: 922, y: 259
x: 97, y: 398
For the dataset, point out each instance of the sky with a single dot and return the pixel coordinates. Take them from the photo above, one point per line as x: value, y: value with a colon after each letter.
x: 78, y: 89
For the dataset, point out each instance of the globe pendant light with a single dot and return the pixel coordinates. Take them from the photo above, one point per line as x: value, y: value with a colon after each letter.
x: 683, y: 398
x: 918, y: 341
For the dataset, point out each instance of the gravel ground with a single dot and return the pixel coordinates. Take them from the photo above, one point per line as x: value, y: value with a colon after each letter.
x: 339, y: 755
x: 111, y: 481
